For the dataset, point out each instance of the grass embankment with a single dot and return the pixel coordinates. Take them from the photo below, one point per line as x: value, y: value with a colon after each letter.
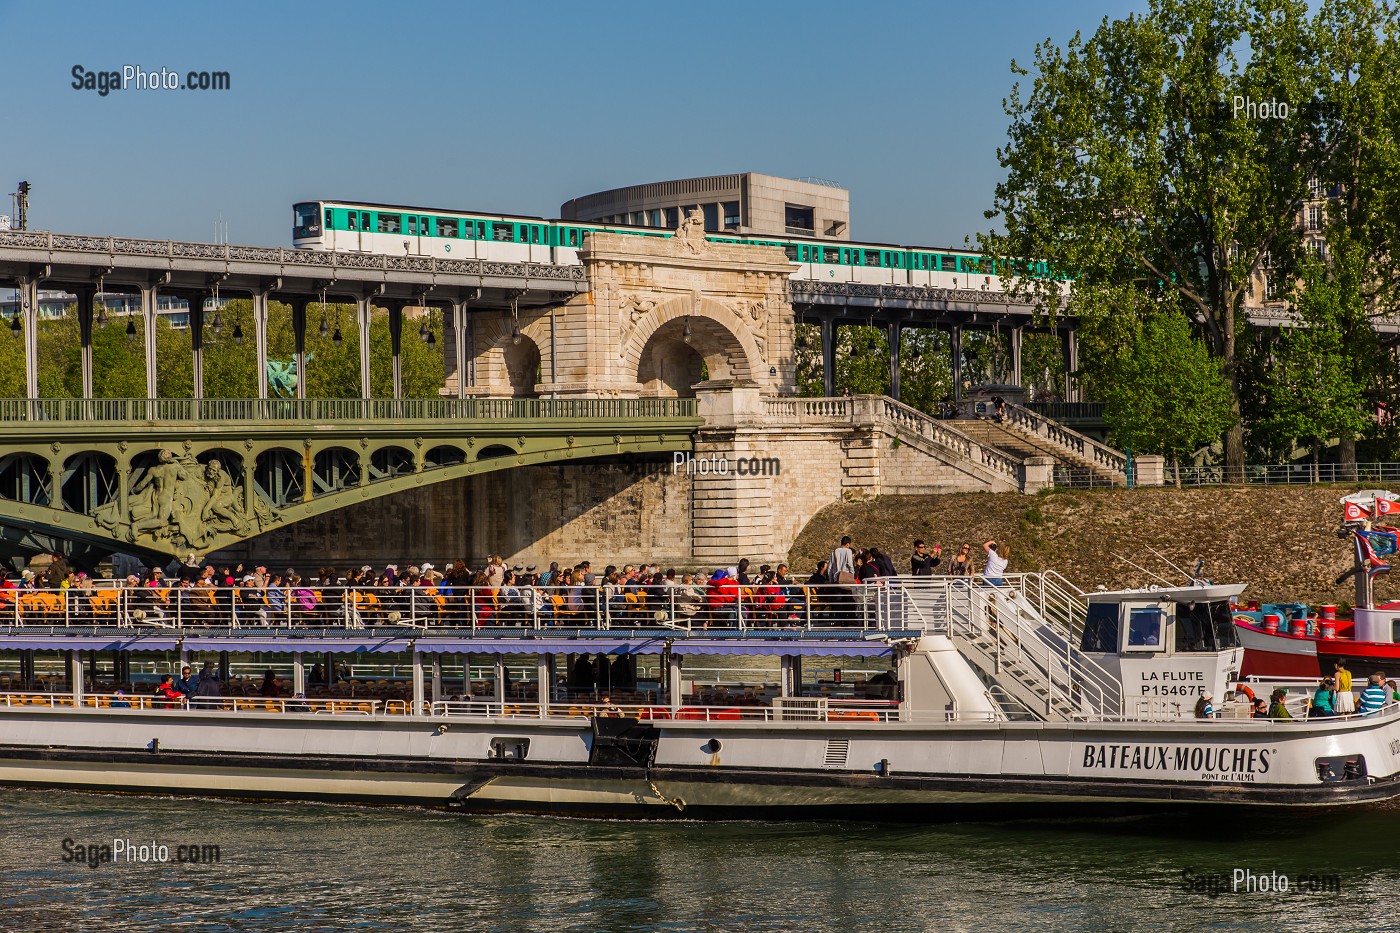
x: 1280, y: 539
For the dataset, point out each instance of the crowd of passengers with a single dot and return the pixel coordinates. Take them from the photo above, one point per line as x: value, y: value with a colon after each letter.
x: 492, y: 594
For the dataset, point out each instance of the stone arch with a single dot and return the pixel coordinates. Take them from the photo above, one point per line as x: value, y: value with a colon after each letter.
x: 508, y: 364
x: 729, y: 352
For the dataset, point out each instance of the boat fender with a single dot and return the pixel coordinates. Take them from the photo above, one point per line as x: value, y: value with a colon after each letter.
x: 676, y: 802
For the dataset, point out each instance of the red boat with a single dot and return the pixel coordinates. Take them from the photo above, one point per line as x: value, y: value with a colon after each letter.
x: 1296, y: 640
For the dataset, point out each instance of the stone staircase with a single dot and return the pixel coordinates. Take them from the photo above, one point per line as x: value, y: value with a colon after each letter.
x: 1080, y: 461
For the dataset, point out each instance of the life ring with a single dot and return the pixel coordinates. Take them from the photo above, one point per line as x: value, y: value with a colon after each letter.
x: 1244, y: 688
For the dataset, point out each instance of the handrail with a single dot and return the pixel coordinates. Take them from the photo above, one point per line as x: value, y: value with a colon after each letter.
x: 326, y: 410
x: 1101, y: 455
x: 681, y: 610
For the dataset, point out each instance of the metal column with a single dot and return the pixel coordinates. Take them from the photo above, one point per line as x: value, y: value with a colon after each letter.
x: 396, y: 344
x: 85, y: 301
x: 1070, y: 344
x: 299, y: 341
x: 955, y: 349
x: 1016, y: 334
x: 459, y: 345
x: 894, y: 328
x: 29, y: 323
x: 196, y: 300
x: 260, y: 340
x: 363, y: 309
x: 417, y: 682
x: 829, y: 357
x: 150, y: 295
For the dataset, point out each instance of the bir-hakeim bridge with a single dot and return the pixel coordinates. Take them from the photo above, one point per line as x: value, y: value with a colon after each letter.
x: 569, y: 391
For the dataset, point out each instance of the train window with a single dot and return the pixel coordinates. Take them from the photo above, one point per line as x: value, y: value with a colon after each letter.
x: 503, y: 232
x: 352, y: 220
x: 447, y: 228
x: 389, y: 223
x: 791, y: 252
x: 831, y: 255
x: 870, y: 257
x: 412, y: 229
x: 472, y: 229
x: 948, y: 263
x: 364, y: 220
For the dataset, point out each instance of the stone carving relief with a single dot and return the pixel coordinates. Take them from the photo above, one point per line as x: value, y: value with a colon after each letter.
x: 690, y: 235
x: 632, y: 309
x: 185, y: 502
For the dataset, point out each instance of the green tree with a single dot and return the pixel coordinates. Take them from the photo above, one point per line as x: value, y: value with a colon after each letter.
x: 1359, y: 54
x: 1163, y: 389
x: 1131, y: 161
x: 1314, y: 389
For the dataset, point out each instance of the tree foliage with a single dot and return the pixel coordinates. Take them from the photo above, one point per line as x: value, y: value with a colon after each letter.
x: 1163, y: 389
x: 1129, y: 160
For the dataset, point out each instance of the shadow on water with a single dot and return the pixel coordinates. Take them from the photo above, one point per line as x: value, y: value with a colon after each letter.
x: 317, y: 867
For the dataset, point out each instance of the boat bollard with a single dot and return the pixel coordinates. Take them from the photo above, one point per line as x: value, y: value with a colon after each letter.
x: 1300, y: 626
x: 1329, y: 629
x: 1328, y: 612
x: 1271, y: 623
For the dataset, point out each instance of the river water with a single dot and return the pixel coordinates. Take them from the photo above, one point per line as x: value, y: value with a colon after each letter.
x: 311, y: 867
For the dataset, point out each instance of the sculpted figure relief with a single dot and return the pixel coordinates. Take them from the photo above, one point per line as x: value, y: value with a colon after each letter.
x: 182, y: 501
x: 690, y: 235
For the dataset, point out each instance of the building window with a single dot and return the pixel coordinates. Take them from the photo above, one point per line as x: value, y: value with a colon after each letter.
x: 1315, y: 217
x: 671, y: 219
x: 799, y: 219
x: 731, y: 214
x: 711, y: 212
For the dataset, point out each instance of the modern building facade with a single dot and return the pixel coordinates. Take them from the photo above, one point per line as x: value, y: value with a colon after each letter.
x: 748, y: 203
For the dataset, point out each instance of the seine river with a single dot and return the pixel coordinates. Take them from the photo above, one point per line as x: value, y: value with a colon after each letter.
x: 312, y: 867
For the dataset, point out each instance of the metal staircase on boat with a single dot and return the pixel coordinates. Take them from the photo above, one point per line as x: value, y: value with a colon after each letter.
x: 1023, y: 638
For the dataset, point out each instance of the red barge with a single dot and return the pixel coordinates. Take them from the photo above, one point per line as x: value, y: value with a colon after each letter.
x: 1297, y: 640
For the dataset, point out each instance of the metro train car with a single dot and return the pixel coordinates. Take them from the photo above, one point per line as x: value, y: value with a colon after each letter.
x: 396, y: 230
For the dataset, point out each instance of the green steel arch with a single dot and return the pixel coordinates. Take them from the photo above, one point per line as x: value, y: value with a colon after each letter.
x: 164, y: 477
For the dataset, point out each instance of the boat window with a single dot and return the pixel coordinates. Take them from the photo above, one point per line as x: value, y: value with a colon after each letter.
x: 1222, y: 618
x: 1195, y: 630
x: 1145, y: 629
x: 1101, y: 629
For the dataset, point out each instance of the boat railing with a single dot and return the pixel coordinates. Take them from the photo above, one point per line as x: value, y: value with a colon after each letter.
x: 789, y: 709
x: 1022, y: 628
x: 684, y: 609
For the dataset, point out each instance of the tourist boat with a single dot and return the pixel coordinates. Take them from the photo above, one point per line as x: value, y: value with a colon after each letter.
x: 918, y: 698
x: 1298, y: 640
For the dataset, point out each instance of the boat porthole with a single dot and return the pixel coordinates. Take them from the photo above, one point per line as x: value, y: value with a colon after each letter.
x: 711, y: 747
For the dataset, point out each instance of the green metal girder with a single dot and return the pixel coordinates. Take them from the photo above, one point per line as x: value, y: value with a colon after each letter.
x: 530, y: 440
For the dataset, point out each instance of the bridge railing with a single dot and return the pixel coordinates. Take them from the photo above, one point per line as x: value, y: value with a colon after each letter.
x: 681, y: 609
x: 321, y: 410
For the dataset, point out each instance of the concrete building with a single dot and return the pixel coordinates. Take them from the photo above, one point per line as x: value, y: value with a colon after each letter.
x: 748, y: 203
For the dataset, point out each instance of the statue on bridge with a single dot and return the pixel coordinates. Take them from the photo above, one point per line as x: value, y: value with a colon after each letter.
x: 282, y: 377
x: 187, y: 503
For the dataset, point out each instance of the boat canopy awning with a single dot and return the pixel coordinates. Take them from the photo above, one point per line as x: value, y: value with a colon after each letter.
x: 617, y: 643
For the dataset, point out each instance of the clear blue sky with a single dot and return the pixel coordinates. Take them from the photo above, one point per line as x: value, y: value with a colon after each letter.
x: 511, y: 107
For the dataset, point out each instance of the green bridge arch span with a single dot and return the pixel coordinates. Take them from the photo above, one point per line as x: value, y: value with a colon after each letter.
x: 162, y: 477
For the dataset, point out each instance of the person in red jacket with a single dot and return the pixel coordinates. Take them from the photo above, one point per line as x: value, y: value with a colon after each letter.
x: 166, y: 691
x: 722, y: 598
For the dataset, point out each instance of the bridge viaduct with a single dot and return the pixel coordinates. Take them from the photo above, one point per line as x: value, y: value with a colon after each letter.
x: 586, y: 381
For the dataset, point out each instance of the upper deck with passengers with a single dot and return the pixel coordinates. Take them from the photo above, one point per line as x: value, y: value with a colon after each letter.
x: 397, y: 230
